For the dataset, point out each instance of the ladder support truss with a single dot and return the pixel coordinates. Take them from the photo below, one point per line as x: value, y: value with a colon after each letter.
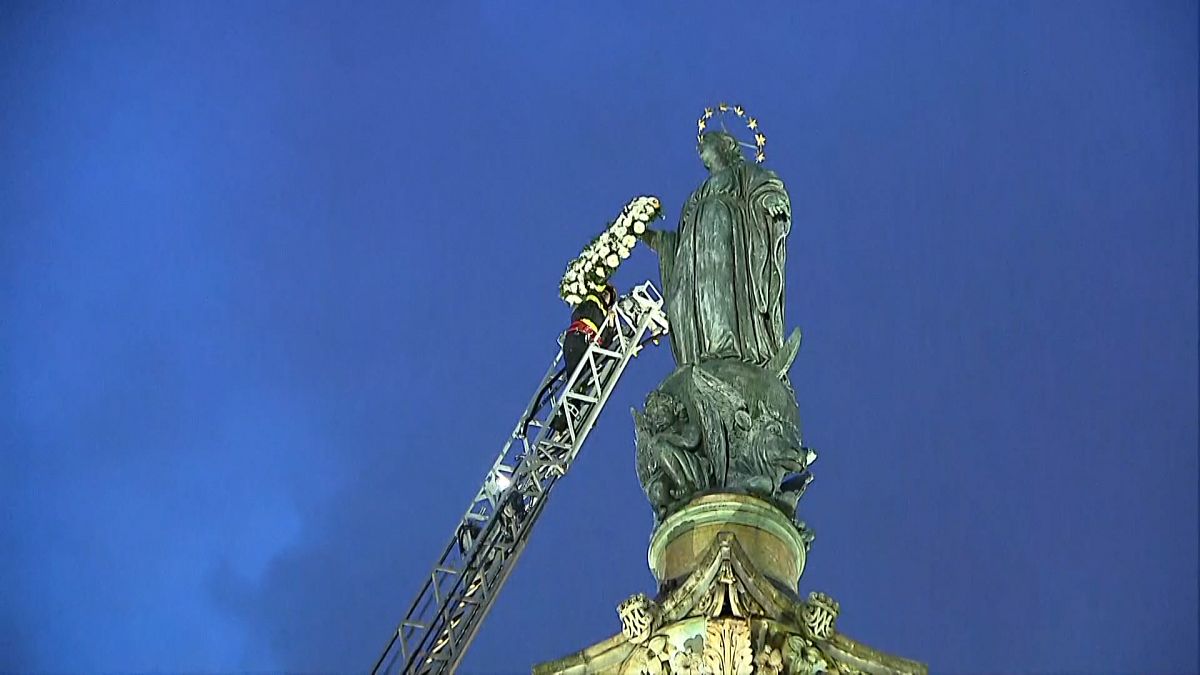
x: 457, y: 595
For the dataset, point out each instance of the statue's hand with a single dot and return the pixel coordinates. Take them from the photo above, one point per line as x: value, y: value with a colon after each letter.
x: 651, y: 238
x: 777, y: 207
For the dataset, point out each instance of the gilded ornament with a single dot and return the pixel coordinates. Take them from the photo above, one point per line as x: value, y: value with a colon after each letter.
x: 803, y: 657
x: 820, y: 615
x: 727, y: 648
x: 639, y: 616
x: 690, y: 659
x: 768, y: 661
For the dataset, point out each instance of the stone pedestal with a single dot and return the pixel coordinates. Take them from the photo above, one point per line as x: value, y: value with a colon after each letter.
x: 728, y: 567
x: 770, y: 540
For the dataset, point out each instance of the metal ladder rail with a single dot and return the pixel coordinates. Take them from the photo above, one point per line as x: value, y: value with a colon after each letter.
x: 481, y: 510
x: 623, y: 339
x: 605, y: 375
x: 638, y: 313
x: 601, y: 377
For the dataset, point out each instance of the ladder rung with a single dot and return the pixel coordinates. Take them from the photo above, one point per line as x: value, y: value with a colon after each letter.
x: 534, y: 463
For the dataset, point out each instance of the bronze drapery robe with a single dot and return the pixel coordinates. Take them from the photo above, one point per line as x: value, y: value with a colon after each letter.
x: 722, y: 269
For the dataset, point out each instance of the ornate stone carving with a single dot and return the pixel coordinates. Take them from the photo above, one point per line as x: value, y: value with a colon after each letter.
x: 727, y: 649
x: 729, y: 592
x: 768, y: 661
x: 806, y: 532
x: 724, y: 584
x: 820, y: 616
x: 655, y: 657
x: 803, y: 657
x: 639, y: 617
x: 690, y: 659
x: 737, y: 593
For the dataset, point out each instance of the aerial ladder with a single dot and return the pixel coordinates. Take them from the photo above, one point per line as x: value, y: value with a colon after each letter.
x: 457, y: 594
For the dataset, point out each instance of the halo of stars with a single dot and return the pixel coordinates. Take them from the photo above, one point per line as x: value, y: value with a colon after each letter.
x: 760, y: 141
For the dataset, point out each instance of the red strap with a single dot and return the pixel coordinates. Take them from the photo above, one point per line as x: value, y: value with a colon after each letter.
x: 583, y: 327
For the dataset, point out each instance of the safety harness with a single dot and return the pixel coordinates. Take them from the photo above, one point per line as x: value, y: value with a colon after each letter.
x: 585, y: 325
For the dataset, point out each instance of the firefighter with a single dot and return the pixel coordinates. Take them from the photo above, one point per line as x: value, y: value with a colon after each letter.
x: 586, y: 321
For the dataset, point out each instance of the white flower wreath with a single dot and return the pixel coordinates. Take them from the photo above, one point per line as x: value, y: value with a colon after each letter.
x: 588, y: 272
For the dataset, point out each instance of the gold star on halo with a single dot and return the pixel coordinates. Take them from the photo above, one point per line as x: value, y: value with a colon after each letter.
x: 708, y: 112
x: 760, y: 157
x: 752, y: 123
x: 760, y: 140
x: 701, y: 124
x: 723, y: 107
x: 739, y: 110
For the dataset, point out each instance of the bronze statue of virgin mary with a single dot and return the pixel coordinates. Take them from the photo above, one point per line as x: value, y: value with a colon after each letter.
x: 726, y: 419
x: 723, y: 268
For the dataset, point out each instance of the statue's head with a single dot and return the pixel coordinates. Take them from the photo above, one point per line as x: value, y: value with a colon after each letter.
x: 719, y: 150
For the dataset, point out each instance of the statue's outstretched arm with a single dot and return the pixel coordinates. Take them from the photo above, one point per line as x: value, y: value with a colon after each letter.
x: 658, y: 240
x: 652, y: 238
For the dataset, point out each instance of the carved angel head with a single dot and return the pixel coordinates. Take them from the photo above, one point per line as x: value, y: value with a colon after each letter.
x: 662, y: 410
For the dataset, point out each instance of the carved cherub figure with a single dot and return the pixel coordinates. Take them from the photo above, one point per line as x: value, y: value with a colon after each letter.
x: 669, y: 464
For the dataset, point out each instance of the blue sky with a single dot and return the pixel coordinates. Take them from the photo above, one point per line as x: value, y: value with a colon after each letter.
x: 278, y: 277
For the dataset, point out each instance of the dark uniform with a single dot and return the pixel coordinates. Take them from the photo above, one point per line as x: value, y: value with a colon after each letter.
x: 586, y: 322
